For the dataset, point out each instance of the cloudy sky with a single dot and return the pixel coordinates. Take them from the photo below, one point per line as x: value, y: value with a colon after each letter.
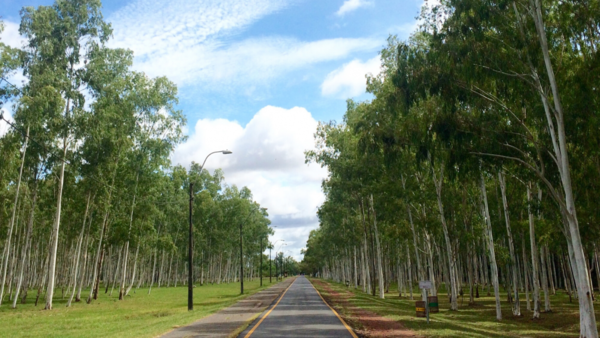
x: 255, y: 77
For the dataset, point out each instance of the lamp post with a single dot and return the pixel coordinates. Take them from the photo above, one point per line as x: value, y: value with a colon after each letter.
x: 241, y: 261
x: 190, y: 237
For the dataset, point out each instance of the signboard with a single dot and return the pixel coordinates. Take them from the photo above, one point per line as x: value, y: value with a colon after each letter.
x: 425, y: 284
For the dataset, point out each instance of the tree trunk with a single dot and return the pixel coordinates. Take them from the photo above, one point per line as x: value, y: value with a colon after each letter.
x: 587, y: 316
x: 511, y: 247
x: 534, y: 258
x: 55, y: 229
x: 27, y: 245
x: 97, y: 265
x: 410, y: 283
x: 525, y: 273
x: 6, y: 257
x: 453, y: 287
x: 79, y: 244
x: 544, y: 275
x: 137, y: 250
x: 379, y: 258
x: 491, y: 251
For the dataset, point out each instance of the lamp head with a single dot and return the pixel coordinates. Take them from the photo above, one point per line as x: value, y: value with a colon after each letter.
x: 227, y: 152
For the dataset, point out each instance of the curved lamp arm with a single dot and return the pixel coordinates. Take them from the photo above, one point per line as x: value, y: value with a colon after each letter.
x: 225, y: 152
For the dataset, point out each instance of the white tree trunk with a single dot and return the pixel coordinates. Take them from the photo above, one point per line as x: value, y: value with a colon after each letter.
x: 27, y: 245
x: 95, y: 267
x: 511, y: 247
x: 410, y: 283
x: 453, y: 287
x: 55, y: 229
x: 379, y: 258
x: 491, y: 251
x: 6, y: 257
x: 526, y: 274
x: 588, y: 328
x: 430, y: 264
x: 534, y: 259
x: 355, y: 276
x: 79, y: 244
x: 126, y: 249
x: 135, y: 269
x: 544, y: 275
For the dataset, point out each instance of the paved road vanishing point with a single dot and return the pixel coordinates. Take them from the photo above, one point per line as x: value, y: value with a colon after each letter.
x: 299, y: 312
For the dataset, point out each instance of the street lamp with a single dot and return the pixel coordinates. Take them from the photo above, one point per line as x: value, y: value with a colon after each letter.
x: 190, y: 238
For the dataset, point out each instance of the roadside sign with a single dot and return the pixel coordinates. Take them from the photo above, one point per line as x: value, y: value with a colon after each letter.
x: 425, y: 284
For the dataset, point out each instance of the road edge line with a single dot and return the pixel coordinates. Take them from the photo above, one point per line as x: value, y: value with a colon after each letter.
x: 274, y: 306
x: 334, y: 312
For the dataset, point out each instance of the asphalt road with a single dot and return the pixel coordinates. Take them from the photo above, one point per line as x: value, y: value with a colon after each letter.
x: 299, y: 313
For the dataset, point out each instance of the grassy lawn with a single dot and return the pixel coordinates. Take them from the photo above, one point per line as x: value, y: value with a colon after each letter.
x: 139, y: 315
x: 477, y: 320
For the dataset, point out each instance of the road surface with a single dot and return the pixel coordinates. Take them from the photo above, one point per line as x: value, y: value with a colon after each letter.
x: 300, y: 312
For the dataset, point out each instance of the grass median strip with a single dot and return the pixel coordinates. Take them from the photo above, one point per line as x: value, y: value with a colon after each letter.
x: 476, y: 320
x: 139, y: 315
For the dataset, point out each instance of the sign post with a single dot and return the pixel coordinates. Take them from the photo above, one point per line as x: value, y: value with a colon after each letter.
x: 426, y: 285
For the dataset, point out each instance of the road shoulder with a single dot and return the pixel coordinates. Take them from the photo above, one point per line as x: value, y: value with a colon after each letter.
x: 365, y: 323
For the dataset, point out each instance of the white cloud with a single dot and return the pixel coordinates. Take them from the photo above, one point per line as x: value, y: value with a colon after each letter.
x: 169, y: 39
x: 151, y: 27
x: 268, y: 157
x: 351, y: 5
x: 10, y: 36
x: 349, y: 80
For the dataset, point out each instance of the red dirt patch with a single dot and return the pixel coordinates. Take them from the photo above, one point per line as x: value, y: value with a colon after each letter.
x: 365, y: 323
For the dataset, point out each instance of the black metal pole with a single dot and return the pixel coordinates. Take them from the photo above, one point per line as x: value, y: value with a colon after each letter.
x: 241, y: 261
x: 270, y: 265
x: 190, y: 255
x: 261, y: 257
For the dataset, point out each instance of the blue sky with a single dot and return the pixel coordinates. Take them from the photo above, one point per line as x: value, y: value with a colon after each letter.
x: 256, y: 76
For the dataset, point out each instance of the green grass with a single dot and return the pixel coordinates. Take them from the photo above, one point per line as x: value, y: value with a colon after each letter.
x: 477, y: 320
x: 139, y: 315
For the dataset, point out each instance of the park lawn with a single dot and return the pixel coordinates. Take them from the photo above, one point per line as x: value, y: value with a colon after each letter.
x: 478, y: 320
x: 139, y: 315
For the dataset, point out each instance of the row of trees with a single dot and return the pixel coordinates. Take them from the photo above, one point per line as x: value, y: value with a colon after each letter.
x: 88, y: 194
x: 476, y: 162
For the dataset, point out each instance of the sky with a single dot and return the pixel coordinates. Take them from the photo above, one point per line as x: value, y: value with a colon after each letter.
x: 255, y: 77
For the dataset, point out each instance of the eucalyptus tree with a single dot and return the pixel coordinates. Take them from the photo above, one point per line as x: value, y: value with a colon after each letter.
x: 158, y: 131
x: 503, y: 51
x: 98, y: 149
x: 59, y: 37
